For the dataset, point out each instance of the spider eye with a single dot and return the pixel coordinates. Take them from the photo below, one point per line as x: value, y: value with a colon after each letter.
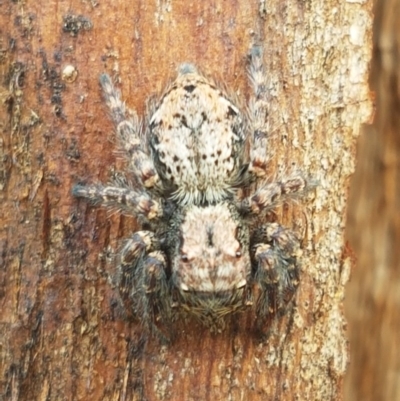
x: 238, y: 254
x: 184, y: 258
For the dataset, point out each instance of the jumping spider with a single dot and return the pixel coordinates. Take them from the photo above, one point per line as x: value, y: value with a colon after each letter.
x: 201, y: 195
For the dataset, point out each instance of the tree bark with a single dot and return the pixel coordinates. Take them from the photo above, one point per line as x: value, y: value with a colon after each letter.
x: 63, y: 335
x: 372, y: 301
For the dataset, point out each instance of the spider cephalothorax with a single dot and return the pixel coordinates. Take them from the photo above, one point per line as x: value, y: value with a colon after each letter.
x: 206, y: 246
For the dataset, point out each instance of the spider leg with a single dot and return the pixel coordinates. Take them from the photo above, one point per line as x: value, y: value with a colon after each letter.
x: 128, y: 130
x: 268, y: 195
x: 258, y: 116
x: 133, y: 202
x: 271, y: 194
x: 141, y: 242
x: 277, y: 271
x: 142, y: 281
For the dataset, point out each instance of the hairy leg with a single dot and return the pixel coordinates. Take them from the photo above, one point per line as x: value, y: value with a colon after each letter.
x: 272, y: 194
x: 142, y: 280
x: 258, y: 106
x: 121, y: 198
x: 277, y: 271
x: 128, y: 130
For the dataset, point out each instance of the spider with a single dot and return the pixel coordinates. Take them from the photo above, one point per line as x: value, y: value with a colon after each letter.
x: 197, y: 181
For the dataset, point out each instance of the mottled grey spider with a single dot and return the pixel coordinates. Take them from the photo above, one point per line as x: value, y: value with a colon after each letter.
x: 199, y: 192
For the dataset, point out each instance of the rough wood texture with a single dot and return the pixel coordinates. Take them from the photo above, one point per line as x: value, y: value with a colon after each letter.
x: 373, y: 296
x: 61, y: 334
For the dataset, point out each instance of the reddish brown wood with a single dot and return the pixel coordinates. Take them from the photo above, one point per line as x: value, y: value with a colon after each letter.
x: 372, y: 303
x: 62, y: 334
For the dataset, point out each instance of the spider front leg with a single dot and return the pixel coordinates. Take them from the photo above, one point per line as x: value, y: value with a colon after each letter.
x: 142, y: 279
x: 275, y: 256
x: 128, y: 130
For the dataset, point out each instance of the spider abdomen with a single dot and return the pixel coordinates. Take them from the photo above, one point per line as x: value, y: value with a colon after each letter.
x: 197, y: 137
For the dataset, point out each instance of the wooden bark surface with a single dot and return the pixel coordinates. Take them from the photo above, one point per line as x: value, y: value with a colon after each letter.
x: 373, y: 296
x: 62, y: 334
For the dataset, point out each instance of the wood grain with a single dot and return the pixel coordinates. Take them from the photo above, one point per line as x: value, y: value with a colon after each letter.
x: 62, y: 334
